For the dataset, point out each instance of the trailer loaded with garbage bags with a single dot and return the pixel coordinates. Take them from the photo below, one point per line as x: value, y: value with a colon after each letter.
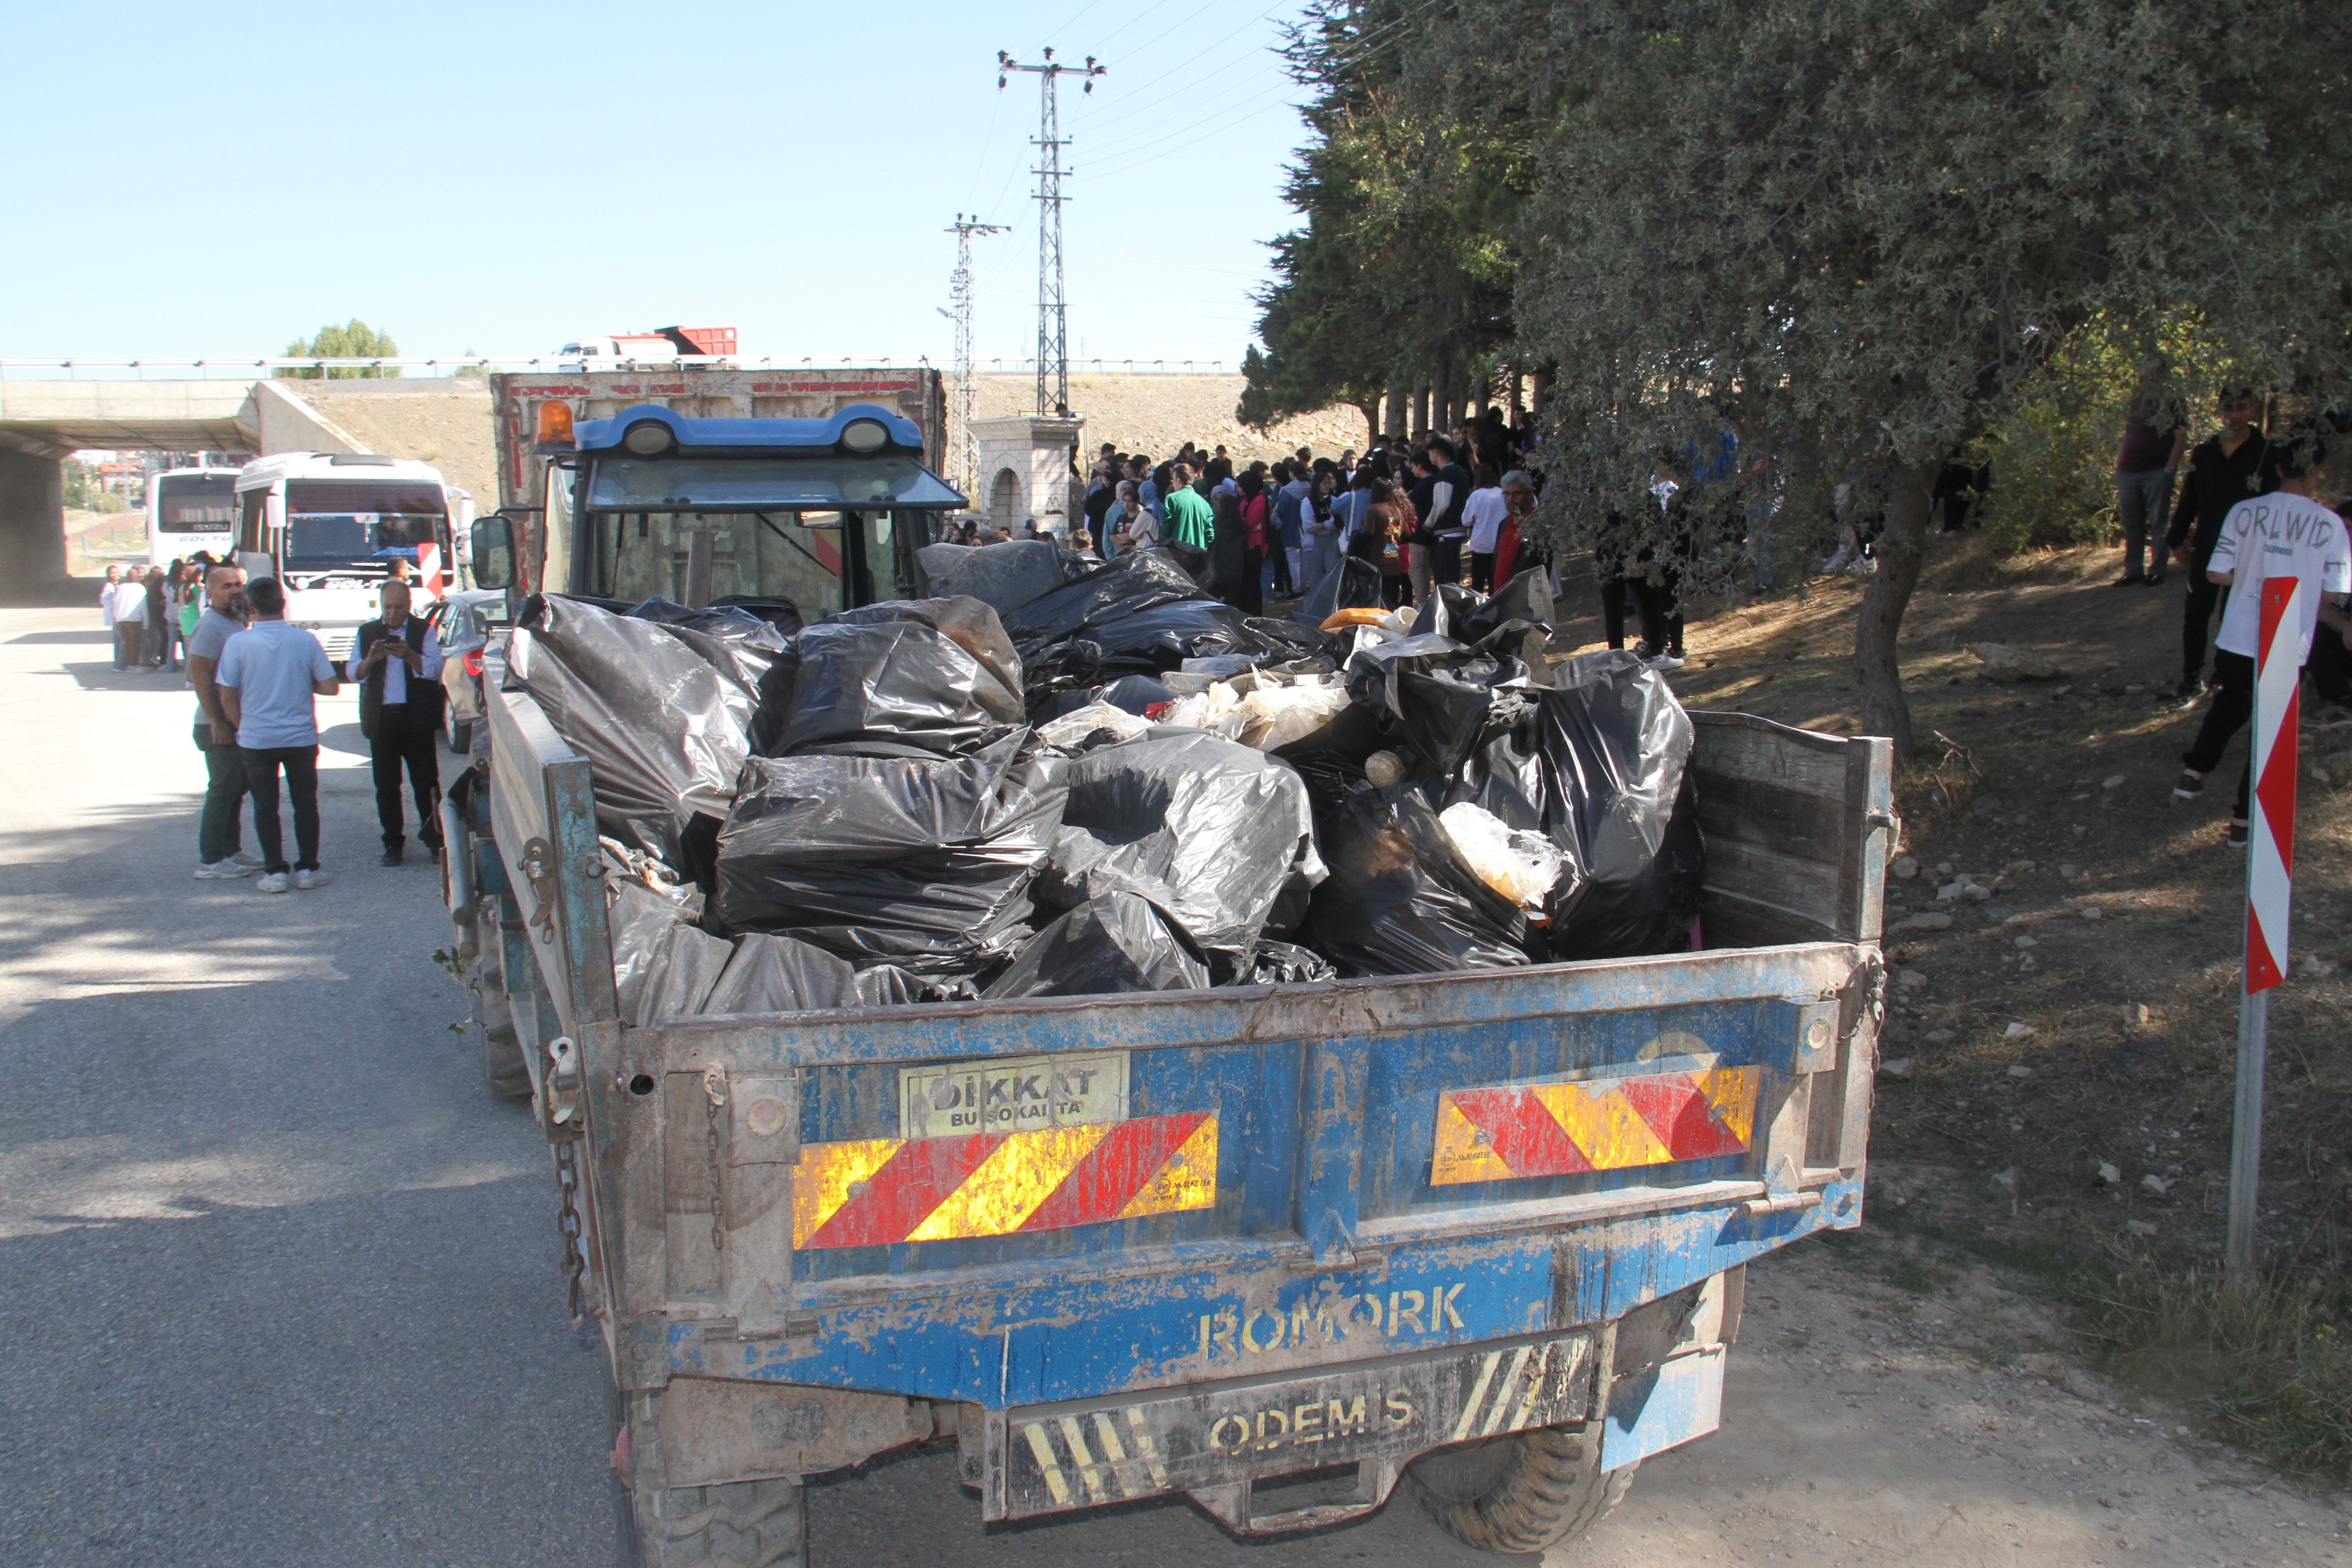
x: 1159, y: 1049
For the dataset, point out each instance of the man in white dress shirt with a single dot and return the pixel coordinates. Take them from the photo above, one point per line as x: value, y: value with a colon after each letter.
x: 396, y: 662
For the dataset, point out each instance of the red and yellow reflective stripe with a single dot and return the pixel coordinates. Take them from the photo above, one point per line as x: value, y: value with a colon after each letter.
x: 1598, y: 1124
x: 877, y: 1191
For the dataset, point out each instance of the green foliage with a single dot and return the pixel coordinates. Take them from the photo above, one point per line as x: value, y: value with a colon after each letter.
x: 83, y: 493
x: 1404, y: 269
x: 2053, y: 451
x: 353, y: 339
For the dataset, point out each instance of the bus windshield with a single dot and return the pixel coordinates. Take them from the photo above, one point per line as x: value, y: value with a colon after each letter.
x: 337, y: 524
x: 194, y: 503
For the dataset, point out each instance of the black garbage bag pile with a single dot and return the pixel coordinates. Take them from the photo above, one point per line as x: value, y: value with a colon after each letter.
x: 736, y: 643
x: 1217, y: 836
x: 916, y: 860
x: 911, y: 677
x: 1143, y: 614
x: 1117, y: 942
x: 665, y: 967
x: 1355, y: 585
x: 1206, y: 799
x: 660, y: 726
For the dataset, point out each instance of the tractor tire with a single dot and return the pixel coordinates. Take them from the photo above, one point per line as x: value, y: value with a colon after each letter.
x: 1521, y: 1494
x: 743, y: 1524
x: 739, y: 1524
x: 503, y: 1069
x: 459, y: 734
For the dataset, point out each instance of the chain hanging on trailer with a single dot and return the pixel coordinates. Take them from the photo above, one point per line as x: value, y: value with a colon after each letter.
x: 567, y: 1224
x: 714, y: 1095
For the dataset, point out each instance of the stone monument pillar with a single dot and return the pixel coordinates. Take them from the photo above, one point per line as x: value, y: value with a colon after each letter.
x: 1024, y: 472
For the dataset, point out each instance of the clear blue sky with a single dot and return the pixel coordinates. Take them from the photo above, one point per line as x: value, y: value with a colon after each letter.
x: 196, y: 179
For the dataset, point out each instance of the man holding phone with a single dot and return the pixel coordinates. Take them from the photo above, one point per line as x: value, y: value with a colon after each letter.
x: 397, y: 663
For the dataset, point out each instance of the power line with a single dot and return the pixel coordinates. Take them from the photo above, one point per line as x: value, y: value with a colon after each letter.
x: 1053, y: 307
x: 967, y: 389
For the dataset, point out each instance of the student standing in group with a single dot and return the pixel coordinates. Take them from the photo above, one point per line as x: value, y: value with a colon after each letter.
x: 129, y: 596
x: 106, y: 608
x: 270, y: 675
x: 158, y: 620
x: 2153, y: 439
x: 2224, y: 471
x: 2288, y: 533
x: 1318, y: 531
x: 1290, y: 515
x: 397, y: 663
x: 1484, y: 513
x: 1257, y: 537
x: 1185, y: 517
x: 220, y: 846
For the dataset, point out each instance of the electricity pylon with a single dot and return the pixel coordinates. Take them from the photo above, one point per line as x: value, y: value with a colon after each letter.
x: 1052, y: 323
x: 967, y: 383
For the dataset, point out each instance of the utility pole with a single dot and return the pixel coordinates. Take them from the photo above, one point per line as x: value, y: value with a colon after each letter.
x: 967, y: 384
x: 1052, y: 323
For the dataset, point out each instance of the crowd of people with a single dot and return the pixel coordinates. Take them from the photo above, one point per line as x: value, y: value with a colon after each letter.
x: 256, y: 681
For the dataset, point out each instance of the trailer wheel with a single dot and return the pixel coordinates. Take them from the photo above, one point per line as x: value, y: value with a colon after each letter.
x: 503, y: 1069
x: 458, y: 733
x: 743, y: 1524
x: 1521, y: 1494
x: 740, y: 1524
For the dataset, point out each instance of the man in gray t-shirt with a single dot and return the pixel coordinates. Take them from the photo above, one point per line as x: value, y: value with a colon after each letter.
x: 269, y: 679
x: 219, y: 844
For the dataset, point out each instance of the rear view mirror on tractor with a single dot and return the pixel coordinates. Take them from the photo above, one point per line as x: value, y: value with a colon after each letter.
x: 493, y: 549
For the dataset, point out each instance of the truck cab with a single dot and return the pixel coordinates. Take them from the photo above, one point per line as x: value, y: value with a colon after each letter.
x: 820, y: 514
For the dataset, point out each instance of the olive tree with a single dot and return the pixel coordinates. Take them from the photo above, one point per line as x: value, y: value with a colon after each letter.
x: 1850, y: 233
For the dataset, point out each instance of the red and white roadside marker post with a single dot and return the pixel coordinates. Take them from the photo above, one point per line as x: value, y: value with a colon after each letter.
x: 2269, y: 886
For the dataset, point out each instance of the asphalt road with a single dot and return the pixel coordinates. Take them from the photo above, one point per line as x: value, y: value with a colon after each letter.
x: 277, y: 1278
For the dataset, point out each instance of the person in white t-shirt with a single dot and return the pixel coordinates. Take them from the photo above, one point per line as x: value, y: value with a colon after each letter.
x: 128, y: 599
x: 1485, y: 513
x: 2287, y: 533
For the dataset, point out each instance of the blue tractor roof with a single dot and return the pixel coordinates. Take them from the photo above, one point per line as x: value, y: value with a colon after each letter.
x: 811, y: 438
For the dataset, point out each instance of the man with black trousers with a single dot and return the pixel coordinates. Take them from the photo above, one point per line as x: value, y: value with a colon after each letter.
x: 396, y: 662
x: 2230, y: 468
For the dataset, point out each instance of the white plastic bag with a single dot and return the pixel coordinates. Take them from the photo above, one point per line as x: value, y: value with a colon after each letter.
x: 1520, y: 866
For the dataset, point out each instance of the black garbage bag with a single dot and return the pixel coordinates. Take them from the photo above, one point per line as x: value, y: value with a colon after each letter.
x: 1526, y: 597
x: 1119, y: 941
x: 1616, y: 748
x: 652, y: 716
x: 740, y: 646
x: 1285, y: 963
x: 777, y: 975
x: 663, y: 965
x: 1138, y: 580
x: 1137, y: 694
x: 1401, y: 900
x: 1444, y: 612
x: 1216, y: 834
x: 1153, y: 641
x: 934, y: 675
x: 1331, y: 759
x: 1355, y: 585
x: 1440, y: 696
x: 921, y: 861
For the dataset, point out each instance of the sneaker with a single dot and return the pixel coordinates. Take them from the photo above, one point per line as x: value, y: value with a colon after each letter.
x: 250, y: 862
x: 2188, y: 785
x: 310, y: 881
x: 2190, y: 690
x: 2238, y: 834
x: 2156, y: 580
x: 2128, y: 580
x: 272, y: 882
x: 391, y: 855
x: 223, y: 871
x: 1666, y: 661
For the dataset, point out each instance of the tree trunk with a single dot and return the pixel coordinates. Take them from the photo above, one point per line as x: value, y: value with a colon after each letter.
x: 1518, y: 407
x: 1371, y: 412
x: 1400, y: 415
x: 1902, y: 551
x: 1419, y: 408
x: 1544, y: 377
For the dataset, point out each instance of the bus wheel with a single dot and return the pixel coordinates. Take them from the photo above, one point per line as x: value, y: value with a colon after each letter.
x: 1521, y: 1494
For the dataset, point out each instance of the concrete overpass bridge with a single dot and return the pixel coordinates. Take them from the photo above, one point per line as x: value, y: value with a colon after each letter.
x: 42, y: 422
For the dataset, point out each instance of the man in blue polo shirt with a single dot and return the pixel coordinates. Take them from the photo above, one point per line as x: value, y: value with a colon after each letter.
x: 270, y: 675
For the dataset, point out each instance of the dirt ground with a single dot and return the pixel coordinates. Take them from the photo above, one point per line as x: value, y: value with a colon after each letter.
x: 443, y: 421
x: 1935, y: 1423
